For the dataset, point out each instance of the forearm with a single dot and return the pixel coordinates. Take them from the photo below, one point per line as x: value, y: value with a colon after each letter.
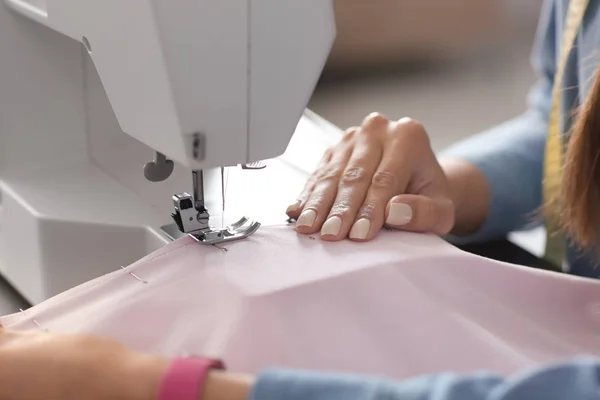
x: 574, y: 379
x: 497, y: 184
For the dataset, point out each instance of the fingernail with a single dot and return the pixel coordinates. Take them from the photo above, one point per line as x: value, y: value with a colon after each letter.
x: 307, y: 218
x: 294, y: 207
x: 400, y: 214
x: 360, y: 229
x: 332, y: 226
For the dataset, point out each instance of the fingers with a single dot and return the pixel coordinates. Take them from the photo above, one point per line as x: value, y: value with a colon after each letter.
x: 294, y: 210
x: 352, y: 187
x: 370, y: 218
x: 416, y: 213
x: 355, y: 182
x: 391, y: 177
x: 324, y: 190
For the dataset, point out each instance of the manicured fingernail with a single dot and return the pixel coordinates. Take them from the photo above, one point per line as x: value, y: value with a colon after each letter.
x: 307, y: 218
x: 332, y: 227
x: 400, y: 214
x: 294, y: 207
x: 360, y: 229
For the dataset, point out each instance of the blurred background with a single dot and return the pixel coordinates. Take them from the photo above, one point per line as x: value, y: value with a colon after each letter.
x: 458, y: 66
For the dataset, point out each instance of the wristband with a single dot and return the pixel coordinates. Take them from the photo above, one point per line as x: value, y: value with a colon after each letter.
x: 185, y: 377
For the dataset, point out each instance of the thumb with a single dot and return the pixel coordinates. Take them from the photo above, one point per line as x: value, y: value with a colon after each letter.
x: 416, y: 213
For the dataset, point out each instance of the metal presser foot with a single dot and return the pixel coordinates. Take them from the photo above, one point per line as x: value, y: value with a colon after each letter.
x: 192, y: 218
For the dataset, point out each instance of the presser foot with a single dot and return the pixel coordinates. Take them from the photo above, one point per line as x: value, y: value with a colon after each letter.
x: 241, y: 229
x: 236, y: 231
x: 194, y: 222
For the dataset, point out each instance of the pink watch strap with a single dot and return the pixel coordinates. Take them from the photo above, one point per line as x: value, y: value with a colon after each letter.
x: 184, y: 379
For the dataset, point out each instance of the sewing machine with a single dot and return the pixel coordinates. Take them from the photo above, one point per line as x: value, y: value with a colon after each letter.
x: 113, y: 111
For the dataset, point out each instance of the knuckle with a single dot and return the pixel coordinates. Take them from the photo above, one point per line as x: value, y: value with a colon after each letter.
x: 308, y: 186
x: 368, y: 210
x: 329, y: 173
x: 340, y: 209
x: 375, y: 120
x: 349, y: 134
x: 353, y: 175
x: 303, y: 197
x: 314, y: 201
x: 325, y: 158
x: 384, y: 180
x: 412, y: 130
x: 410, y: 123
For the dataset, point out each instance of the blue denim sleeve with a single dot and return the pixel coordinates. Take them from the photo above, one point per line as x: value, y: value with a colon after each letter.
x: 511, y: 155
x: 576, y: 379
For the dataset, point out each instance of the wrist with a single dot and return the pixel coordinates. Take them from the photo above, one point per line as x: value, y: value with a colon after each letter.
x: 186, y: 378
x: 222, y: 385
x: 469, y: 192
x: 143, y: 375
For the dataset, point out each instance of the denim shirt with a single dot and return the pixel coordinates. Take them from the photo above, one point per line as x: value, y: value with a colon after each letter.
x: 573, y: 380
x: 511, y: 158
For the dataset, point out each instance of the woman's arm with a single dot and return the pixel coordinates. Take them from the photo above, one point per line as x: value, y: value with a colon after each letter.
x: 36, y: 365
x: 574, y: 380
x: 496, y: 177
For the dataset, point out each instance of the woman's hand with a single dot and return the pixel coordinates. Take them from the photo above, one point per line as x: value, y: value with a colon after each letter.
x: 383, y: 172
x: 37, y: 365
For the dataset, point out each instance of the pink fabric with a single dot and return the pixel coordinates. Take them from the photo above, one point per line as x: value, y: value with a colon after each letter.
x: 401, y: 305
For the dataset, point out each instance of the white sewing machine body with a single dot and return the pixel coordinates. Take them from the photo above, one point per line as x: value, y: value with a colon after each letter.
x: 207, y: 86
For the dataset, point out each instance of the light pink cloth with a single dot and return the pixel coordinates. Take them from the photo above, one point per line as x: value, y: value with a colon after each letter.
x: 403, y: 304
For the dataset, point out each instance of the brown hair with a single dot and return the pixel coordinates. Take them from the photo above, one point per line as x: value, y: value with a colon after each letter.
x: 581, y: 174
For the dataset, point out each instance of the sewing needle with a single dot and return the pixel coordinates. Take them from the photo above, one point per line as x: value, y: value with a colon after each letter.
x: 223, y: 195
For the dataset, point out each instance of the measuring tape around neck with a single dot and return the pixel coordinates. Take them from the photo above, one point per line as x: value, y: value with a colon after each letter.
x: 556, y: 244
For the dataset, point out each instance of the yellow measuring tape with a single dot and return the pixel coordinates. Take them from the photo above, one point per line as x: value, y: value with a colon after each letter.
x: 556, y: 244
